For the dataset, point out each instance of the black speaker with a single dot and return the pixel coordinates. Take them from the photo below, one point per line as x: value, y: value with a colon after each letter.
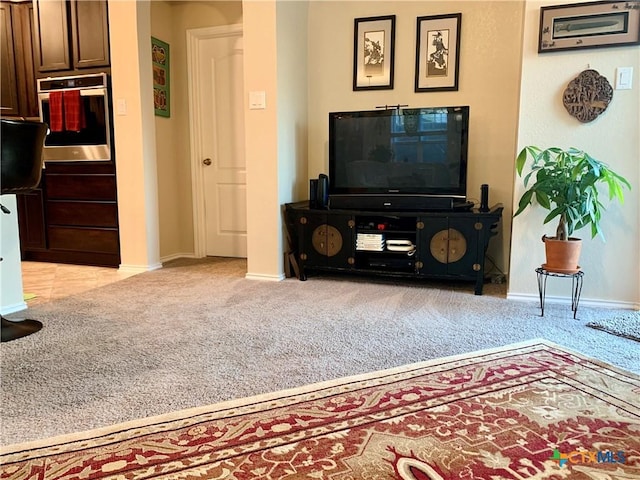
x: 484, y: 197
x: 319, y: 192
x: 322, y: 195
x: 313, y: 193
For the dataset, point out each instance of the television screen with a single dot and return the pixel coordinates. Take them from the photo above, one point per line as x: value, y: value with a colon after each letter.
x: 399, y: 151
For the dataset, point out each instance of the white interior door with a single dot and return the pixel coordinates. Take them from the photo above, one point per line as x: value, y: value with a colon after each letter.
x: 221, y: 120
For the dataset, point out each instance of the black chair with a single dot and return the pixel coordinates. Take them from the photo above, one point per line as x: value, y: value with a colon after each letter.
x: 22, y: 162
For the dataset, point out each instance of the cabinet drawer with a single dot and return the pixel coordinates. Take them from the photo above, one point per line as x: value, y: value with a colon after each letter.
x: 99, y: 240
x: 90, y: 214
x: 81, y: 187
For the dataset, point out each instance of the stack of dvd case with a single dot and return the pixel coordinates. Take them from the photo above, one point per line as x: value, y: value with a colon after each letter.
x: 371, y: 242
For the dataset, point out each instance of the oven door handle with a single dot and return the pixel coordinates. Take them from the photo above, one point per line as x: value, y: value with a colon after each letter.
x: 88, y: 92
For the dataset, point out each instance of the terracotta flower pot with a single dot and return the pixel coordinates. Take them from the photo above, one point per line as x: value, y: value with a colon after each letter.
x: 562, y: 256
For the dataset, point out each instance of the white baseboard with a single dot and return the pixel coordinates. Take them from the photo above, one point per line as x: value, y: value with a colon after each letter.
x: 523, y: 297
x: 16, y: 307
x: 135, y: 269
x: 586, y: 302
x: 175, y: 256
x: 263, y: 277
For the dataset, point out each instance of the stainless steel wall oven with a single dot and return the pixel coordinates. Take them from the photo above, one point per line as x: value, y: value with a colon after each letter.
x: 77, y: 110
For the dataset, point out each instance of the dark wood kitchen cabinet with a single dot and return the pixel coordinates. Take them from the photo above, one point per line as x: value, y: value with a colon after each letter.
x: 72, y: 35
x: 19, y: 98
x: 31, y: 220
x: 73, y: 218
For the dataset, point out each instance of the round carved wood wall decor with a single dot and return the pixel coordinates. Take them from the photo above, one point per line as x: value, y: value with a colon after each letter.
x: 587, y: 96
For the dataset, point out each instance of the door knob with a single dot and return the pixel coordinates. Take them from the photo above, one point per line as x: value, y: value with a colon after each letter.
x: 207, y: 161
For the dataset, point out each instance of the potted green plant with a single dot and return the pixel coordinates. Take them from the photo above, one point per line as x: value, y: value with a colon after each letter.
x: 566, y: 182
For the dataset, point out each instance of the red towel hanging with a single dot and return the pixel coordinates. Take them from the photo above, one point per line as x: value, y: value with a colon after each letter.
x: 56, y: 117
x: 74, y: 119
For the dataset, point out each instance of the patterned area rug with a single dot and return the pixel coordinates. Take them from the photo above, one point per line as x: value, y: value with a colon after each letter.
x: 531, y: 410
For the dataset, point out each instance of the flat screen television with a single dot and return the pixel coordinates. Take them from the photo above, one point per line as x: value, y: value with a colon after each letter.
x: 405, y: 159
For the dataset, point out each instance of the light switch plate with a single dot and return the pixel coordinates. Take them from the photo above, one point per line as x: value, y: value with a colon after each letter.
x: 624, y: 78
x: 257, y: 100
x: 121, y: 106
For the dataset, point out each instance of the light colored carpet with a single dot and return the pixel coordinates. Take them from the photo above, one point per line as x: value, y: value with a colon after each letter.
x: 196, y: 333
x: 625, y: 325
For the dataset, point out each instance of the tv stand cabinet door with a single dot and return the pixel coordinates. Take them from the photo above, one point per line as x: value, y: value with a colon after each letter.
x: 326, y: 240
x: 453, y: 247
x: 432, y: 248
x: 464, y: 252
x: 340, y: 241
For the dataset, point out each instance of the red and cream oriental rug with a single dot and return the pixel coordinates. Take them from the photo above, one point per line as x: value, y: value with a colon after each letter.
x: 527, y: 411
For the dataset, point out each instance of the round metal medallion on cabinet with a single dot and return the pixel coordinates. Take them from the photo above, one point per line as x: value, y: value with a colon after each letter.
x: 326, y: 240
x: 448, y: 246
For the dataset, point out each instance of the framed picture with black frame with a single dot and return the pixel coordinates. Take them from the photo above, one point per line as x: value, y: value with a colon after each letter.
x: 437, y: 52
x: 373, y: 51
x: 589, y: 25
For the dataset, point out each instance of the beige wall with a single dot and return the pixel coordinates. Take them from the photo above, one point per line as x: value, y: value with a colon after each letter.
x: 612, y: 269
x: 261, y: 147
x: 489, y: 84
x: 174, y: 211
x: 276, y: 145
x: 136, y: 172
x: 292, y: 70
x: 169, y: 22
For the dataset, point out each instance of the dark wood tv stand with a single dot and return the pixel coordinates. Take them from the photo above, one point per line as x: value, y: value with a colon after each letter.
x: 446, y: 244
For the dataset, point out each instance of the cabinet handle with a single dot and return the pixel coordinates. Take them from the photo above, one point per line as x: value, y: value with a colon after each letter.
x: 207, y: 161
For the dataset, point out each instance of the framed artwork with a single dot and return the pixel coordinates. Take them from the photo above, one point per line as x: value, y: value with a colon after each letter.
x: 161, y: 91
x: 589, y: 25
x: 438, y: 52
x: 373, y: 49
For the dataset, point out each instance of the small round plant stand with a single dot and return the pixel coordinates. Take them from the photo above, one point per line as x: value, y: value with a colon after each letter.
x: 576, y: 286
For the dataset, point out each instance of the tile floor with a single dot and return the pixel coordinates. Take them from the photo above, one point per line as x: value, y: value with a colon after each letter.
x: 51, y: 281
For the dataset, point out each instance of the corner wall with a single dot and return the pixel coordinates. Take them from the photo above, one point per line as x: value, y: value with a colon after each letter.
x: 292, y: 44
x: 174, y: 229
x: 134, y: 133
x: 169, y: 22
x: 264, y: 239
x: 612, y: 269
x: 275, y: 62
